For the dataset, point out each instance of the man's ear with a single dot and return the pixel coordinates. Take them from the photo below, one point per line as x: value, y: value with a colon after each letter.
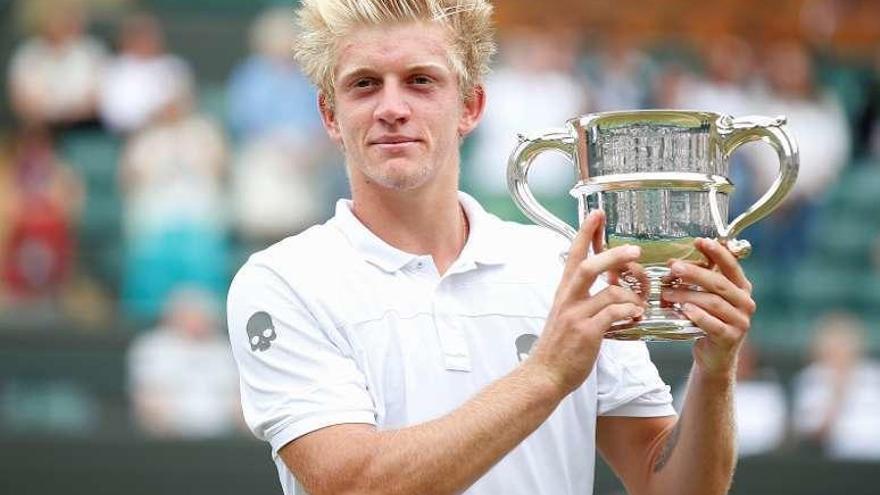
x: 473, y: 107
x: 328, y: 117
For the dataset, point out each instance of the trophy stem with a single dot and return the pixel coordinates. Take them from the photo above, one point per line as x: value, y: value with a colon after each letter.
x: 662, y: 322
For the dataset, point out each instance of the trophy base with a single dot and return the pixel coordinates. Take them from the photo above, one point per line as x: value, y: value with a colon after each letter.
x: 657, y: 325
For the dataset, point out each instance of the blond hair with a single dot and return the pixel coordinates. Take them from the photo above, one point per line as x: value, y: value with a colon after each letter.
x: 323, y: 23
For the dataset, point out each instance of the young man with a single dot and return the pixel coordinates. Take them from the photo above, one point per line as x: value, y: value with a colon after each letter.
x: 415, y: 344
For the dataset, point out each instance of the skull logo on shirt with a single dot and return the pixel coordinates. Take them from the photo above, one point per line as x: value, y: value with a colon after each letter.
x: 261, y: 331
x: 524, y: 345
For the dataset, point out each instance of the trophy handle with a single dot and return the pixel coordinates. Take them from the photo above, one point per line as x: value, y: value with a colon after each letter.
x: 737, y: 132
x: 559, y: 140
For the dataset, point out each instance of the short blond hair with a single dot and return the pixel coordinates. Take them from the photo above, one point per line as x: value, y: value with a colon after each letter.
x: 323, y: 23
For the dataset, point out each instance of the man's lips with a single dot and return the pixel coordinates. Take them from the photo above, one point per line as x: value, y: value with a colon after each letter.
x: 394, y: 140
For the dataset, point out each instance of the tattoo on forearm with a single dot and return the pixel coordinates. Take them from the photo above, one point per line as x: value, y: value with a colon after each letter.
x: 668, y: 446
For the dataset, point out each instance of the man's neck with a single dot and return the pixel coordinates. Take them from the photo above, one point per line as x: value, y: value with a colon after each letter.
x: 427, y: 221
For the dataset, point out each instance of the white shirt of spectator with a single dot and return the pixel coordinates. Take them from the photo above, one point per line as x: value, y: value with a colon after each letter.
x: 135, y: 89
x: 65, y: 78
x: 362, y: 332
x: 177, y: 169
x: 193, y: 379
x: 823, y: 138
x: 756, y: 434
x: 517, y: 107
x: 855, y: 433
x: 759, y: 433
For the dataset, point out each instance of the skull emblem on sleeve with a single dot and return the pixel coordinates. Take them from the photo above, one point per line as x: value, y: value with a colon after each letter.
x: 261, y: 331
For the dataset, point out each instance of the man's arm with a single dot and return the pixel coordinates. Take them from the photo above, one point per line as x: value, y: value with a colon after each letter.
x: 442, y: 456
x: 697, y: 453
x: 450, y: 453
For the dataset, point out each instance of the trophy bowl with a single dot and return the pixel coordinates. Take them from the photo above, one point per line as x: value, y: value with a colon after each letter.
x: 661, y: 177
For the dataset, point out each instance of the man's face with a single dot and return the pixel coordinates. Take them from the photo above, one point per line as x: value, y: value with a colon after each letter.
x: 398, y: 112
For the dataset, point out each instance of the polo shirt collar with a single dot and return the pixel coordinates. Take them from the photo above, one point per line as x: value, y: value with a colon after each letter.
x: 368, y: 244
x: 482, y: 245
x: 485, y: 244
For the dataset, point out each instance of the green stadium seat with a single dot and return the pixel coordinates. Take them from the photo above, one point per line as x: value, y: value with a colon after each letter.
x: 781, y: 331
x: 768, y: 285
x: 844, y: 241
x: 93, y: 153
x: 95, y: 157
x: 817, y: 288
x: 212, y: 102
x: 857, y: 192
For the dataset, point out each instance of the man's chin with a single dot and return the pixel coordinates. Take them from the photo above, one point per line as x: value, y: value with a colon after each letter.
x: 400, y: 183
x: 400, y: 180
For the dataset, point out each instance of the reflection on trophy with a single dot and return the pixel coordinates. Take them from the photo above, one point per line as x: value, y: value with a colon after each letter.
x: 661, y: 176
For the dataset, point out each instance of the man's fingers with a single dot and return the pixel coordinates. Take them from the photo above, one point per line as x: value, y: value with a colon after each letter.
x: 711, y: 303
x: 581, y: 244
x: 583, y: 276
x: 715, y: 329
x: 725, y: 261
x: 613, y: 294
x: 599, y: 233
x: 714, y: 282
x: 636, y: 278
x: 616, y: 312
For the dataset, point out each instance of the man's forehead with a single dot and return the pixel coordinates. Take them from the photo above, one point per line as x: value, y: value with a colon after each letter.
x: 399, y: 46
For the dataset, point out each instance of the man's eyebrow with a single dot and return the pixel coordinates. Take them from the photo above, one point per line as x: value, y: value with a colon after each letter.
x: 357, y: 71
x: 427, y: 66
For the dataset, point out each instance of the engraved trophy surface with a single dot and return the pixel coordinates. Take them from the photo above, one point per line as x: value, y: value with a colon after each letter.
x: 661, y: 176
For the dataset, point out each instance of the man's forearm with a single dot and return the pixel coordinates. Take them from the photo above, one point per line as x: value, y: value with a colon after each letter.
x: 449, y: 454
x: 698, y: 455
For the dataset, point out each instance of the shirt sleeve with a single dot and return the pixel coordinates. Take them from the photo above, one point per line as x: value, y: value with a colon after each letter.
x: 296, y: 375
x: 628, y: 382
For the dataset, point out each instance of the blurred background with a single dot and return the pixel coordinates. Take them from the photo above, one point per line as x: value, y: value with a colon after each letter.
x: 147, y: 147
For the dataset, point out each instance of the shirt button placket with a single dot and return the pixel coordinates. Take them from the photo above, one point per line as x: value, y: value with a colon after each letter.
x: 456, y: 355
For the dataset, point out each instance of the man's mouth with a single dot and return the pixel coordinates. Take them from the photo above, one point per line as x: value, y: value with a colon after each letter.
x: 395, y: 142
x: 393, y: 139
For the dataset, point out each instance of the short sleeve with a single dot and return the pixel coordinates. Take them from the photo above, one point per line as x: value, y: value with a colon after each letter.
x: 296, y: 375
x: 628, y: 382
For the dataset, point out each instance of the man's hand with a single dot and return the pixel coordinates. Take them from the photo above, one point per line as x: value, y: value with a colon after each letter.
x: 567, y: 349
x: 723, y: 308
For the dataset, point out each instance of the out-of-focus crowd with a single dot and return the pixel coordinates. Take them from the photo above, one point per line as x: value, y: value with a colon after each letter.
x: 189, y: 184
x: 198, y: 189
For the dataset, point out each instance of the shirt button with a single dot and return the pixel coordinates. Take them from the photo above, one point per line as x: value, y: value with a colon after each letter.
x: 420, y: 265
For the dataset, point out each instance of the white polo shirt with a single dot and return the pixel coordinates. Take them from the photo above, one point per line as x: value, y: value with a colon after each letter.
x: 335, y: 326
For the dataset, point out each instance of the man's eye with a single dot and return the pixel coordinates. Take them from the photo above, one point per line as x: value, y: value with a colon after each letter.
x: 420, y: 80
x: 363, y: 83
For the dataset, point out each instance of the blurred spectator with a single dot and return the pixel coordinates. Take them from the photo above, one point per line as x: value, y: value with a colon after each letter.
x: 277, y: 184
x: 182, y: 379
x: 761, y: 413
x: 621, y: 78
x: 174, y: 216
x: 820, y: 20
x: 761, y: 409
x: 54, y: 76
x: 27, y: 14
x: 529, y: 61
x: 42, y: 198
x: 837, y: 397
x: 668, y: 86
x: 726, y: 86
x: 267, y: 92
x: 818, y: 123
x: 276, y: 189
x: 140, y: 80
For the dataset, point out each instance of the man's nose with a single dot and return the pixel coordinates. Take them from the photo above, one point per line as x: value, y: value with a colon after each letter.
x: 393, y: 107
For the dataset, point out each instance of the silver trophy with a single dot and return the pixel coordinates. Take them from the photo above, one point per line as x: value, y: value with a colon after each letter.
x: 661, y: 176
